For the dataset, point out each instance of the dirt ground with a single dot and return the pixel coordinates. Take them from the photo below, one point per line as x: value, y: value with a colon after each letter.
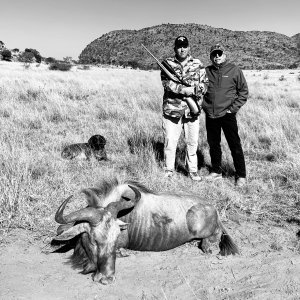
x: 268, y: 268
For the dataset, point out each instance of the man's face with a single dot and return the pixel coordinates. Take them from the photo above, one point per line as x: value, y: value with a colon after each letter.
x: 182, y: 52
x: 218, y: 57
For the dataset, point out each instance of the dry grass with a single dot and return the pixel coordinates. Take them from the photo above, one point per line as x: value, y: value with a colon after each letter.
x: 41, y: 111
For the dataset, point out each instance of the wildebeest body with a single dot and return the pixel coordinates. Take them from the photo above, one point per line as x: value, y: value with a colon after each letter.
x: 161, y: 222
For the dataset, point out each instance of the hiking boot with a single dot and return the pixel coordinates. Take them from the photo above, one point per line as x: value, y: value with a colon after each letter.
x: 195, y: 176
x: 168, y: 174
x: 240, y: 182
x: 213, y: 176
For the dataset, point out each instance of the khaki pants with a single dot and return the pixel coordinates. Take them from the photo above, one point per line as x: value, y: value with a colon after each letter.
x: 172, y: 128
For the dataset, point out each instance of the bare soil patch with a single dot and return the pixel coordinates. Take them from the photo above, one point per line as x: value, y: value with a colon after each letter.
x: 268, y: 268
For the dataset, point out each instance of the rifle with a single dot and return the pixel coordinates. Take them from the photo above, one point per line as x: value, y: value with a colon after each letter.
x: 192, y: 102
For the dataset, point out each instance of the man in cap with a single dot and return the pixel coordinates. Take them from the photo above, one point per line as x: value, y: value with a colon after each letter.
x: 177, y: 114
x: 226, y: 94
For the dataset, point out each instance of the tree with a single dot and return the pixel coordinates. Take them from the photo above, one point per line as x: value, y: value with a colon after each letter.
x: 50, y: 60
x: 60, y: 66
x: 36, y: 54
x: 67, y: 59
x: 6, y: 55
x: 27, y: 58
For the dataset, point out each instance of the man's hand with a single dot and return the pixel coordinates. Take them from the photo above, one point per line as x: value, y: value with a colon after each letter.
x: 188, y: 91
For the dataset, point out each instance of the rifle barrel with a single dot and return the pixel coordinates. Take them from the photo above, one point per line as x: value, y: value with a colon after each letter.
x: 168, y: 73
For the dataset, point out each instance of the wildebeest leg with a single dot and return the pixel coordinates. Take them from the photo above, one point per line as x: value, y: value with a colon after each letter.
x: 204, y: 245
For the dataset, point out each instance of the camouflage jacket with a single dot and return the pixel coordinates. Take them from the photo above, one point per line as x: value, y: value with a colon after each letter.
x: 193, y: 73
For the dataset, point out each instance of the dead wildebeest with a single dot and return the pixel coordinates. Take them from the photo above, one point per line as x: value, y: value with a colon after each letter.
x: 131, y: 216
x: 94, y: 147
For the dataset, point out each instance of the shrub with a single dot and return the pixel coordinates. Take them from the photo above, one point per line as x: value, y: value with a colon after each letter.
x: 50, y: 60
x: 84, y: 67
x: 67, y: 59
x: 26, y: 58
x: 60, y: 66
x: 6, y: 55
x: 35, y: 53
x: 282, y: 78
x: 293, y: 66
x: 133, y: 64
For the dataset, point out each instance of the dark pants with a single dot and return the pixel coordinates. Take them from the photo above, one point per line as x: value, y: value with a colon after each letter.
x: 229, y: 126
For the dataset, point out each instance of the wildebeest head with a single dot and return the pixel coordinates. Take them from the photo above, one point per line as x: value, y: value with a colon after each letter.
x: 100, y: 228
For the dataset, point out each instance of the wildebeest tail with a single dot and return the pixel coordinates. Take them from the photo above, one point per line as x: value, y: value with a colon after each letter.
x: 227, y: 245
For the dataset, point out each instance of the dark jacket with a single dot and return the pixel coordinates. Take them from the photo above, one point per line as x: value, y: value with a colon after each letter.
x: 227, y: 90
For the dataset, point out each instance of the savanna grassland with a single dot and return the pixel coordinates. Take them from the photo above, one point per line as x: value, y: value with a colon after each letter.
x: 41, y: 111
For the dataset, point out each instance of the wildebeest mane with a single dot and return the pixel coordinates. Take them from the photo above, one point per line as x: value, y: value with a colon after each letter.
x: 95, y: 195
x: 140, y: 187
x: 106, y: 187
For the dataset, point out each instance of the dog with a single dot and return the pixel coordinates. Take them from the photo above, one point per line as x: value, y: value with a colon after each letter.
x: 95, y: 147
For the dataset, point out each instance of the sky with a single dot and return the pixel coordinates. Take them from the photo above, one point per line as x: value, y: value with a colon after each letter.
x: 60, y: 28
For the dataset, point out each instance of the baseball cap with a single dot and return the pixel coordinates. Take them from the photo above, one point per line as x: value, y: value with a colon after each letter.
x: 181, y: 41
x: 216, y: 47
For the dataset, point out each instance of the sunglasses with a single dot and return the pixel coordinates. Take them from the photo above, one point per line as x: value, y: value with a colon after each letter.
x: 181, y: 46
x: 219, y: 52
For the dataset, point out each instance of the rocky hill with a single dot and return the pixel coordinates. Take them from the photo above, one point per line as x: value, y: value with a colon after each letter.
x: 249, y: 49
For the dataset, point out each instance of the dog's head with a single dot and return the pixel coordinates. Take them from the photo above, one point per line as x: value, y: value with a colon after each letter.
x: 97, y: 142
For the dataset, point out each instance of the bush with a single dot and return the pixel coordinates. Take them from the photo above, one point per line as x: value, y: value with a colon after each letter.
x: 50, y: 60
x: 282, y: 78
x: 6, y: 55
x: 26, y: 57
x: 84, y: 67
x: 293, y: 66
x: 36, y: 54
x: 60, y: 66
x: 133, y: 64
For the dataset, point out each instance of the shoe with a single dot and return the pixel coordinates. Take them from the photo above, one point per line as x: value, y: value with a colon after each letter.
x: 240, y: 182
x: 168, y: 174
x: 213, y: 176
x: 195, y: 176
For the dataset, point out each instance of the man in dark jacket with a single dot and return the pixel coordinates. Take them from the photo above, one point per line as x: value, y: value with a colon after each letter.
x: 227, y: 93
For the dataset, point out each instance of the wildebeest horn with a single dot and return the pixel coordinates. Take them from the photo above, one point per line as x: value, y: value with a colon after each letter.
x: 137, y: 194
x: 89, y: 214
x: 126, y: 202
